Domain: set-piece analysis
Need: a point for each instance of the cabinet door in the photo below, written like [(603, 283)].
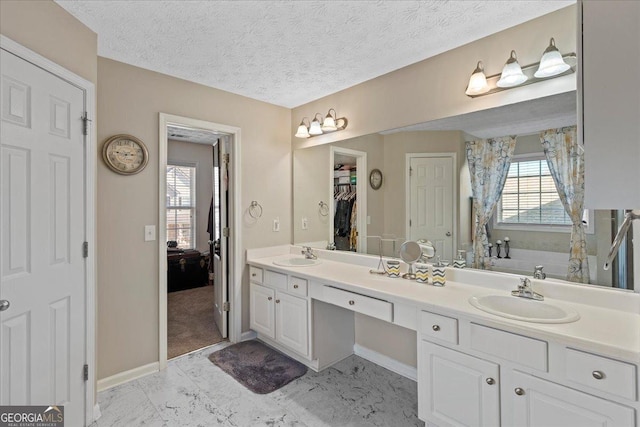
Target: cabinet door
[(455, 389), (261, 310), (539, 403), (611, 104), (292, 322)]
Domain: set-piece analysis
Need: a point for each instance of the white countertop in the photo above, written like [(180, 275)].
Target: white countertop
[(609, 321)]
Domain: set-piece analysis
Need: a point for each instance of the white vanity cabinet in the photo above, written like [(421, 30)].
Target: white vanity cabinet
[(279, 309), (470, 374), (610, 102)]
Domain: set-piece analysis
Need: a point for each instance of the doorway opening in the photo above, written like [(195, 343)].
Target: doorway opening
[(348, 199), (199, 302)]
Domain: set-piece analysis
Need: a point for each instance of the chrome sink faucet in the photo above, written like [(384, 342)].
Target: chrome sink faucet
[(538, 274), (308, 253), (526, 291)]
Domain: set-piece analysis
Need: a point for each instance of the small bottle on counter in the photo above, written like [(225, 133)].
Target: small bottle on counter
[(393, 268), (461, 261), (439, 278)]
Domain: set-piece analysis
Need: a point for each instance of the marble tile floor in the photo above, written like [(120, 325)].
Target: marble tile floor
[(192, 391)]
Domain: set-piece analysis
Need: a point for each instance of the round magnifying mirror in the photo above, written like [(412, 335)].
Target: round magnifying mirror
[(410, 252)]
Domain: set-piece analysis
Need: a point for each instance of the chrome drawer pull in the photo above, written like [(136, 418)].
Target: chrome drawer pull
[(269, 298), (277, 301), (599, 375), (351, 302), (435, 328), (490, 381), (519, 391), (295, 286)]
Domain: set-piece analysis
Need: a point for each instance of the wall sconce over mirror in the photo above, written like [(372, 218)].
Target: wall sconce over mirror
[(552, 64), (320, 126)]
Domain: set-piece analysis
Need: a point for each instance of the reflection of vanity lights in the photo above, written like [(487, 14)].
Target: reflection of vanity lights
[(552, 64), (331, 123)]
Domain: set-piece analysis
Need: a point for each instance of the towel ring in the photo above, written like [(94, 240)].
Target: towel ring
[(255, 210), (324, 208)]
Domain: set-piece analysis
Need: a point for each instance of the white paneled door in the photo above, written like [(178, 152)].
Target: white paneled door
[(431, 202), (42, 223)]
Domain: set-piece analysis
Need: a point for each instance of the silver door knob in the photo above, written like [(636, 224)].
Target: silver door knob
[(490, 381), (448, 234), (519, 391), (4, 305)]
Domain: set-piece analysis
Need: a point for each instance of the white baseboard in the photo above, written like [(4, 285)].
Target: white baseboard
[(248, 335), (96, 412), (386, 362), (126, 376)]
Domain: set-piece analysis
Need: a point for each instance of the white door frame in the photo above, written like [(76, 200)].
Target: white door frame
[(91, 407), (456, 191), (361, 190), (235, 270)]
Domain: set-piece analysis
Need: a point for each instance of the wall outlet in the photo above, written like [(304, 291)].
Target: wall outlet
[(305, 223), (276, 225), (149, 233)]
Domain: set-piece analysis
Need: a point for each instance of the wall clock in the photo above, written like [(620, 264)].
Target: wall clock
[(375, 179), (125, 154)]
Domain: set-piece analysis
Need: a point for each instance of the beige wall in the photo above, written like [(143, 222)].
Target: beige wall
[(433, 89), (51, 31), (200, 155), (129, 100)]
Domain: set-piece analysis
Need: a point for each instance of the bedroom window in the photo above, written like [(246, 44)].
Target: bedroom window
[(181, 205), (530, 196)]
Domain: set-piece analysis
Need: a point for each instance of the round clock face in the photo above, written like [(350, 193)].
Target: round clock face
[(375, 179), (125, 154)]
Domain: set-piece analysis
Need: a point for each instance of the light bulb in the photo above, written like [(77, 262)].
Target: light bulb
[(512, 74), (552, 62), (478, 81)]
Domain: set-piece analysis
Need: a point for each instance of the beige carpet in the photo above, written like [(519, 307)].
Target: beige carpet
[(190, 321)]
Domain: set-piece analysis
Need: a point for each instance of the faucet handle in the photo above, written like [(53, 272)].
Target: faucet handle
[(524, 283), (538, 273)]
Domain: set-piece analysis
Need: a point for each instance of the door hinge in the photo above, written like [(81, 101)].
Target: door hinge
[(409, 223), (226, 306), (410, 171), (85, 123), (85, 249), (225, 158), (85, 372), (225, 232)]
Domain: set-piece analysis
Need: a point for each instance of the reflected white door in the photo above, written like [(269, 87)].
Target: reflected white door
[(431, 202), (220, 284), (42, 333)]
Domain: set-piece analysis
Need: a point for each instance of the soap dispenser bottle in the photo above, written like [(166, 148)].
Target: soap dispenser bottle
[(438, 275), (461, 261)]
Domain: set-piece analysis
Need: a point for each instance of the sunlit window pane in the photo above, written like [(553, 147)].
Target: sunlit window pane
[(181, 188)]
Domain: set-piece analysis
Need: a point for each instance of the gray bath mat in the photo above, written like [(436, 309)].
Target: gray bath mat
[(259, 368)]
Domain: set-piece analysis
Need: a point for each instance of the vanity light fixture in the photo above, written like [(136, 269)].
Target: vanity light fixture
[(512, 74), (303, 129), (318, 126), (552, 64), (478, 81)]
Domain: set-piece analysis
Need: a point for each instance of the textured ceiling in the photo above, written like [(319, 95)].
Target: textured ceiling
[(291, 52)]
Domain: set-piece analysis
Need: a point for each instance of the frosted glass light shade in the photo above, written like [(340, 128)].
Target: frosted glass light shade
[(303, 132), (329, 124), (512, 74), (315, 129), (477, 82), (551, 63)]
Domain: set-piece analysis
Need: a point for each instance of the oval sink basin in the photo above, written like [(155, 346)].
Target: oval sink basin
[(296, 262), (523, 309)]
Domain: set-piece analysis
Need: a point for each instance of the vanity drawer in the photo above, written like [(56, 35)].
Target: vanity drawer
[(601, 373), (255, 274), (439, 327), (524, 351), (362, 304), (298, 286), (275, 280)]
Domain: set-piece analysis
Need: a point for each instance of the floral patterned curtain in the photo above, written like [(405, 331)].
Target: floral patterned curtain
[(489, 161), (566, 164)]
